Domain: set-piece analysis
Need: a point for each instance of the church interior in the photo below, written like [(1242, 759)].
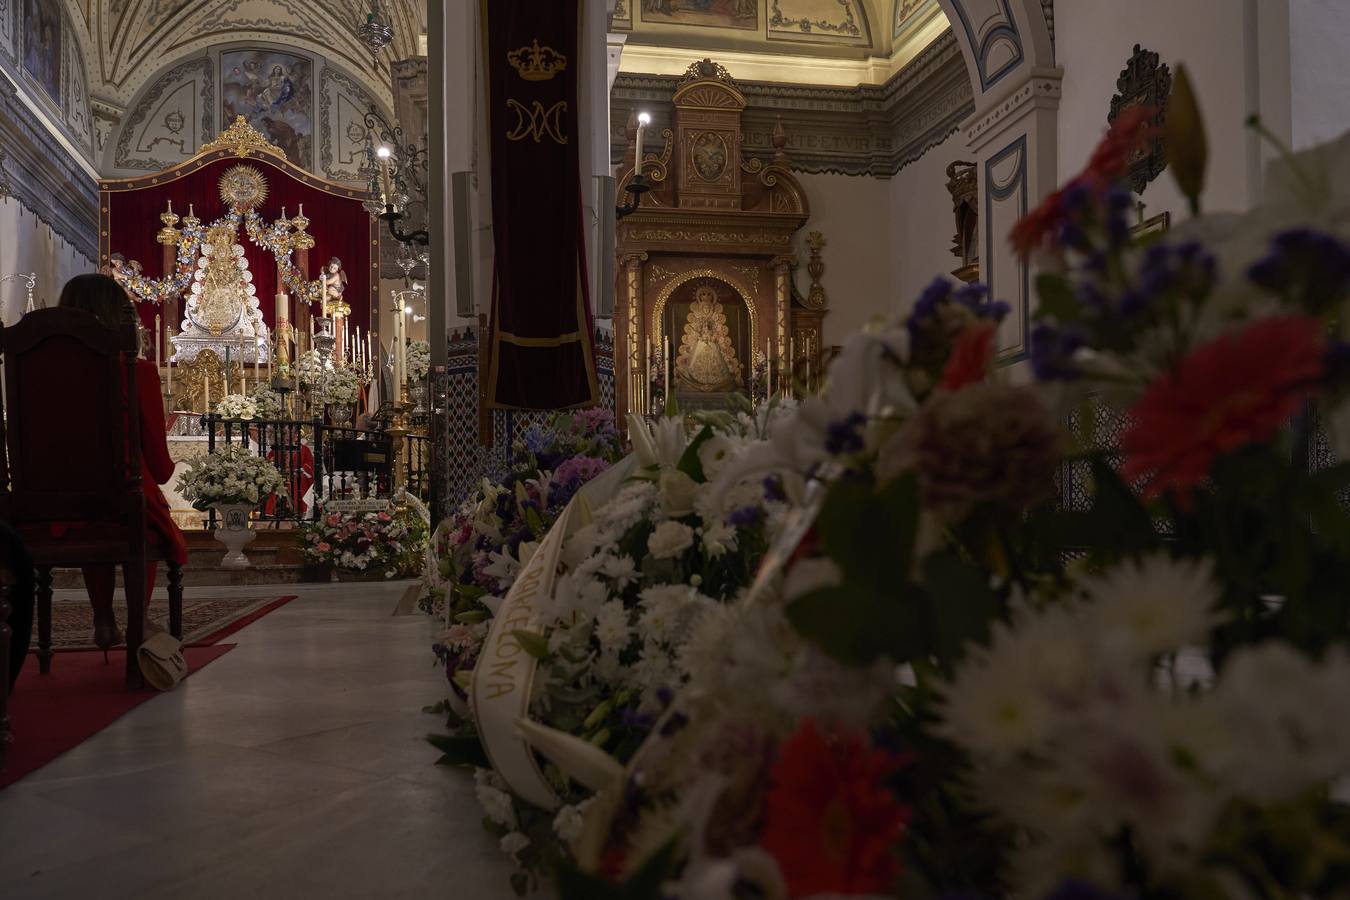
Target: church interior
[(675, 449)]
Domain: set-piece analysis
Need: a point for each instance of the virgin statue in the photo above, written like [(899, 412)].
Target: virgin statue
[(707, 360)]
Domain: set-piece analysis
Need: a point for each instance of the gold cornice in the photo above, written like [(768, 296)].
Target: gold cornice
[(242, 139)]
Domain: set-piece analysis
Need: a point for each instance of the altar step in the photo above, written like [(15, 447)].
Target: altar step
[(275, 558)]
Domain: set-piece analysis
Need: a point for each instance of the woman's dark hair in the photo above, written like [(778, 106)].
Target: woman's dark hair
[(101, 297)]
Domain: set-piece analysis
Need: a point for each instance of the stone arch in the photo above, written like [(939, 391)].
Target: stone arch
[(1003, 41)]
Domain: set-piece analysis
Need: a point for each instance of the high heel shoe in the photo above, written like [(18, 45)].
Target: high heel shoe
[(106, 633)]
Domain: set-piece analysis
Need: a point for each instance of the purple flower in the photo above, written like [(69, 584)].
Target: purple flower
[(745, 516), (1052, 350), (844, 435), (1311, 266), (773, 488)]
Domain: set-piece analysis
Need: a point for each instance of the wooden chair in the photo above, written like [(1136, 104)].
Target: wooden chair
[(74, 467), (16, 620)]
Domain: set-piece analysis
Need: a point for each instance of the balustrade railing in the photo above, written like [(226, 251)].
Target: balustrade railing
[(321, 462)]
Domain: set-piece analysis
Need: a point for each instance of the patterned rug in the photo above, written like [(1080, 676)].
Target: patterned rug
[(205, 619)]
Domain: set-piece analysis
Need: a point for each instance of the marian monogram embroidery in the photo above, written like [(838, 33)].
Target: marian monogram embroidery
[(537, 122)]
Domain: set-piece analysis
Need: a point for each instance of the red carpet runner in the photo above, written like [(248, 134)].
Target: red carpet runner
[(54, 713)]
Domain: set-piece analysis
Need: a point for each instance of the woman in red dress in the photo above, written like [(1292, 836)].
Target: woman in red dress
[(104, 298)]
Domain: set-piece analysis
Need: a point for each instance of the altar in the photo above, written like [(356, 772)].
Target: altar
[(229, 271), (245, 270)]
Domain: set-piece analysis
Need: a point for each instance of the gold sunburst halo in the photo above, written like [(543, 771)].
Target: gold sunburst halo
[(243, 187)]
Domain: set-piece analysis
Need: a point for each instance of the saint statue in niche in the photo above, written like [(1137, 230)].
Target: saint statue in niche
[(707, 360)]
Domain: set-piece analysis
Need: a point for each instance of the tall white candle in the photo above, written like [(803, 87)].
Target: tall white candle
[(158, 349), (643, 119)]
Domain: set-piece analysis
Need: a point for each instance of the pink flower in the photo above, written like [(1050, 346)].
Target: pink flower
[(324, 547), (385, 517), (335, 519)]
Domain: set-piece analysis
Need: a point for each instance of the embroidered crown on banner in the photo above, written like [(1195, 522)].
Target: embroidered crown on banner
[(535, 63)]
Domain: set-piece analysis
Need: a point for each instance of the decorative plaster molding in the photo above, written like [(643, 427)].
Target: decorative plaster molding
[(48, 181), (330, 80), (174, 78), (1042, 89), (865, 130), (798, 28)]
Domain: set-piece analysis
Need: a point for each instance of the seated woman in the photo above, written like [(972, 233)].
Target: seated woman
[(102, 297)]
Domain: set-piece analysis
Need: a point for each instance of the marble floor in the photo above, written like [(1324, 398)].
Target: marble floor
[(292, 767)]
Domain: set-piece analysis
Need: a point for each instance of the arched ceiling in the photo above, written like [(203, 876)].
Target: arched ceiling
[(836, 42), (126, 42)]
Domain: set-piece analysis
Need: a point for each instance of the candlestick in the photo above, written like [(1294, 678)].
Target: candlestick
[(242, 363), (670, 370), (168, 361), (257, 361), (158, 348)]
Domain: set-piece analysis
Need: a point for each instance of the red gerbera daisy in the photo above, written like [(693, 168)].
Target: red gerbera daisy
[(1236, 390), (829, 819), (971, 354), (1131, 128)]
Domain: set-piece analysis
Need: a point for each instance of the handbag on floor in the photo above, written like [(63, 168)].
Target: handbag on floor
[(161, 660)]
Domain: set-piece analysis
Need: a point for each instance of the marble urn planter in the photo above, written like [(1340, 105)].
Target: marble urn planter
[(235, 530)]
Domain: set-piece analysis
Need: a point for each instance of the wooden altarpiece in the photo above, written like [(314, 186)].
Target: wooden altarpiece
[(720, 224)]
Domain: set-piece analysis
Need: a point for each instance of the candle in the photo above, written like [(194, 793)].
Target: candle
[(168, 361), (242, 370), (368, 354), (206, 385), (257, 361), (158, 348), (643, 119), (670, 369)]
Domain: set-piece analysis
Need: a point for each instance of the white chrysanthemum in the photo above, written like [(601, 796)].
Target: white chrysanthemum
[(1154, 605), (670, 539), (619, 569), (611, 626), (495, 801), (514, 842), (995, 705), (567, 824)]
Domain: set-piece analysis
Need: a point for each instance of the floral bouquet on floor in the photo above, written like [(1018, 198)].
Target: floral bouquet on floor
[(230, 475), (661, 553), (953, 680), (237, 406), (474, 554), (389, 543), (419, 360)]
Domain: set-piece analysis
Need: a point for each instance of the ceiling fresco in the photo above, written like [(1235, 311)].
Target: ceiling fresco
[(800, 41)]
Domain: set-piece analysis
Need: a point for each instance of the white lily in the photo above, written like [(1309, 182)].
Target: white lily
[(583, 762), (657, 444)]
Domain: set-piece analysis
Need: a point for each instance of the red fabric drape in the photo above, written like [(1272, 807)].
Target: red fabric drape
[(340, 227)]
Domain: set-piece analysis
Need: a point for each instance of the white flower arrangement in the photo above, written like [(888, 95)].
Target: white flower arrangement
[(310, 368), (268, 401), (233, 474), (237, 406), (342, 386), (419, 360)]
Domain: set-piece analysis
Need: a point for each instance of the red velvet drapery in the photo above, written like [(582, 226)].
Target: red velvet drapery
[(340, 227)]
